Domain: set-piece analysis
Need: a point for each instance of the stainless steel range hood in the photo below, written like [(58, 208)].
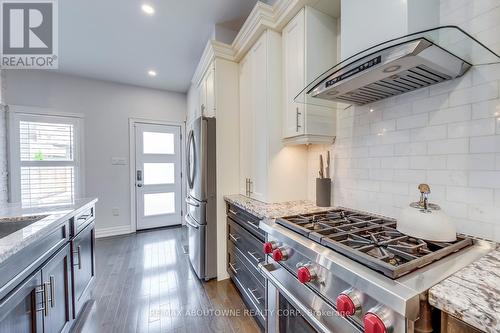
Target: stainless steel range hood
[(398, 66), (393, 71)]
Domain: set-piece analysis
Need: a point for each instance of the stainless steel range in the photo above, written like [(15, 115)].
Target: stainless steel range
[(348, 271)]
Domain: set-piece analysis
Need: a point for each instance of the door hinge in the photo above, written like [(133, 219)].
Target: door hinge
[(182, 213), (181, 174)]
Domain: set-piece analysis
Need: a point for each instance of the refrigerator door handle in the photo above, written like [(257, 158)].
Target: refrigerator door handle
[(191, 163), (190, 223), (191, 203)]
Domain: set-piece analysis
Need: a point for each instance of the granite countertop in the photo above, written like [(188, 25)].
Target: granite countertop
[(272, 210), (15, 242), (472, 294)]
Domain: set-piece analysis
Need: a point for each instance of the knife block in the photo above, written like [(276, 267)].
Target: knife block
[(323, 192)]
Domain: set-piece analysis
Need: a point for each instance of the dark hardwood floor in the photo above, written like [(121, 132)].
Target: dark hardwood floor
[(144, 283)]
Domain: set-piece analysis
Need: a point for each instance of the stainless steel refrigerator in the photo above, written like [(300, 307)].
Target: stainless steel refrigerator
[(201, 216)]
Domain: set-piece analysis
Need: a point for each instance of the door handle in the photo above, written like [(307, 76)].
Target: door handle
[(139, 185), (235, 239), (44, 307), (79, 256), (188, 221), (252, 254), (46, 299), (252, 293), (234, 269)]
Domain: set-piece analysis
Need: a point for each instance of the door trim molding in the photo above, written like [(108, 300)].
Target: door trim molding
[(131, 124)]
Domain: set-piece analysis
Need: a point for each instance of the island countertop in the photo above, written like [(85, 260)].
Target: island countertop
[(472, 294), (272, 210), (16, 241)]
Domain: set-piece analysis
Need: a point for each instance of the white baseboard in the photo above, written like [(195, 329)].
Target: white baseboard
[(112, 231)]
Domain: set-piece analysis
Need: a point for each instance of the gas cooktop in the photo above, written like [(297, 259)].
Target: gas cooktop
[(371, 240)]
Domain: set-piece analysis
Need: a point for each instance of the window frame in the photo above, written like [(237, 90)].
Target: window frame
[(15, 115)]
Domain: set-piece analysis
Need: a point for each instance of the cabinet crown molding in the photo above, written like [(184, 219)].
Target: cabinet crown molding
[(262, 17)]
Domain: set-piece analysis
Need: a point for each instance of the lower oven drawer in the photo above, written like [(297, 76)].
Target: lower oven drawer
[(252, 291), (247, 244)]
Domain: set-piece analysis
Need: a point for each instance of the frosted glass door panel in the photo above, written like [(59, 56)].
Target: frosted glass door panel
[(159, 203), (158, 143), (159, 173)]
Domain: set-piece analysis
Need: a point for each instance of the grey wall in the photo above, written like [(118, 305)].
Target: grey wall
[(107, 108)]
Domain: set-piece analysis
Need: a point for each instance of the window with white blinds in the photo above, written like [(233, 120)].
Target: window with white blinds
[(47, 158)]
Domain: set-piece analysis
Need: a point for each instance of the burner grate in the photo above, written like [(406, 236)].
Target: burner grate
[(371, 240)]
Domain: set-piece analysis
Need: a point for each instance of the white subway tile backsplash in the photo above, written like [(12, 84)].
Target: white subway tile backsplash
[(455, 210), (382, 174), (471, 162), (399, 162), (487, 213), (497, 162), (483, 74), (429, 133), (394, 188), (430, 104), (411, 176), (450, 146), (413, 148), (474, 94), (414, 121), (485, 144), (447, 177), (450, 115), (470, 195), (428, 162), (383, 126), (448, 86), (487, 179), (398, 111), (486, 109), (472, 128), (384, 150)]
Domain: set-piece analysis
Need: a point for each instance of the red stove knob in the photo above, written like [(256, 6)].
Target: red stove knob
[(345, 306), (269, 247), (304, 274), (373, 324), (279, 254)]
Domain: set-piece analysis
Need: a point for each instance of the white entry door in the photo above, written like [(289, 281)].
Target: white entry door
[(158, 175)]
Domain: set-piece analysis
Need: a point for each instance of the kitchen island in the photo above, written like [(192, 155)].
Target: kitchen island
[(47, 265)]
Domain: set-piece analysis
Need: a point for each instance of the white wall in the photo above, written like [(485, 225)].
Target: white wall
[(107, 108), (3, 144), (447, 135)]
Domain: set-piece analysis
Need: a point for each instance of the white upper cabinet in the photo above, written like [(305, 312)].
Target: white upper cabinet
[(269, 171), (207, 93), (309, 48)]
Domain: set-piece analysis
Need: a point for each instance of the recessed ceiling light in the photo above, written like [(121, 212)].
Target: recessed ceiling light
[(371, 110), (148, 9), (152, 73)]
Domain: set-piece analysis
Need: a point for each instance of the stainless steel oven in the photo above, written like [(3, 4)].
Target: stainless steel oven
[(293, 307)]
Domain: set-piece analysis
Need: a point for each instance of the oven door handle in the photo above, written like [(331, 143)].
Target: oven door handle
[(267, 269)]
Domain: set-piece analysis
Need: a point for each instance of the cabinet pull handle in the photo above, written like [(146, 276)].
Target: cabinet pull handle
[(250, 183), (45, 300), (297, 114), (52, 291), (44, 307), (252, 293), (234, 269), (252, 254), (78, 253), (253, 225), (233, 212), (235, 239)]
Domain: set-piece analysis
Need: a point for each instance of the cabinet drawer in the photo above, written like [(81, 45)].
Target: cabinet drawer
[(250, 246), (81, 220), (233, 251), (246, 220), (253, 293)]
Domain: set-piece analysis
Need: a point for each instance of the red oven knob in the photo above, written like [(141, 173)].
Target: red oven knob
[(269, 247), (373, 324), (345, 306), (305, 274), (280, 254)]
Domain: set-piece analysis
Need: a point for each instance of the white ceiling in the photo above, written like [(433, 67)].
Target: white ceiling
[(114, 40)]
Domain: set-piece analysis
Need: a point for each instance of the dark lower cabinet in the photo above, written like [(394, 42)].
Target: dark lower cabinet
[(83, 266), (42, 302), (57, 283), (22, 310)]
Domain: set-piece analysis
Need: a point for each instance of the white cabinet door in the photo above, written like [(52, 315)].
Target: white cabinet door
[(294, 72), (202, 91), (259, 162), (246, 123), (210, 93)]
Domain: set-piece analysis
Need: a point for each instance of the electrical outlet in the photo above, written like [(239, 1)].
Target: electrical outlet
[(116, 211)]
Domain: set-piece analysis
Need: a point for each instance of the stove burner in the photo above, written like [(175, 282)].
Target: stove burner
[(372, 240)]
